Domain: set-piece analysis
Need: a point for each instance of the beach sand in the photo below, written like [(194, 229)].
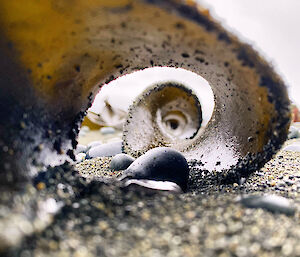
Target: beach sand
[(104, 219)]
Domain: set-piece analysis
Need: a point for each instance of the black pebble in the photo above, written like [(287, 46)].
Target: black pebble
[(160, 164)]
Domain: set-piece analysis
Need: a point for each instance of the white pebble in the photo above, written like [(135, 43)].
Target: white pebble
[(80, 149), (80, 157), (94, 143), (292, 147), (85, 129), (293, 132), (107, 130)]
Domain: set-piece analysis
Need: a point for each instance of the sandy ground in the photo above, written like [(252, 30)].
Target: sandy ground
[(100, 219), (89, 213)]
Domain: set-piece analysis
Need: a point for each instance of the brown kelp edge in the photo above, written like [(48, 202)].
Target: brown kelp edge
[(30, 132)]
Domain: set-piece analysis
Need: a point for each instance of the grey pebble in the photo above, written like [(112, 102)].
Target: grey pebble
[(160, 164), (109, 149), (80, 149), (242, 180), (271, 203), (292, 147), (293, 132), (94, 143), (107, 130), (121, 161)]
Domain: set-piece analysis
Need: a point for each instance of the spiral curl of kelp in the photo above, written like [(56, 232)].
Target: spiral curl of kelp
[(50, 71)]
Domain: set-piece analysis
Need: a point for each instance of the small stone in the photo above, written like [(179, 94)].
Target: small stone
[(22, 124), (80, 157), (160, 164), (271, 203), (121, 161), (80, 149), (107, 130), (293, 132), (292, 147), (94, 143), (152, 185), (85, 129), (109, 149), (242, 180), (40, 185)]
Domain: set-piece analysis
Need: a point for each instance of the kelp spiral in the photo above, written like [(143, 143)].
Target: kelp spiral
[(166, 114), (56, 54)]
